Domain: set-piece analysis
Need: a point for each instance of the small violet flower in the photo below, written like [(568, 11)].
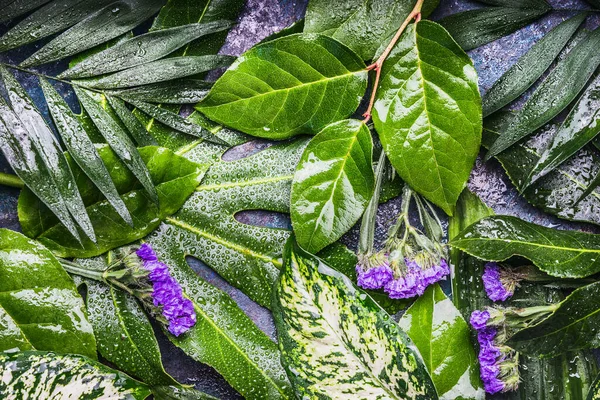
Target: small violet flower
[(373, 271), (416, 278), (499, 283)]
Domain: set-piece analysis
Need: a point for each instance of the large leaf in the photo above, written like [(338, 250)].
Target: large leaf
[(107, 23), (46, 375), (39, 304), (554, 94), (530, 67), (293, 85), (10, 9), (333, 184), (336, 342), (443, 338), (564, 254), (175, 179), (428, 113), (179, 91)]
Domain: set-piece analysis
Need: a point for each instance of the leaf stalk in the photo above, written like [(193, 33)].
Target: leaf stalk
[(11, 180)]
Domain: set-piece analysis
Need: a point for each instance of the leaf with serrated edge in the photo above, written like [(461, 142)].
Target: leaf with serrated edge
[(428, 113)]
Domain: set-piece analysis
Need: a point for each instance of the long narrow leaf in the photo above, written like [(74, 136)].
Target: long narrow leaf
[(133, 125), (82, 150), (182, 91), (10, 9), (142, 49), (118, 140)]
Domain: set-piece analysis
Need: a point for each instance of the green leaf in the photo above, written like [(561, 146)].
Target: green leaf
[(293, 85), (333, 184), (175, 179), (336, 342), (155, 45), (133, 125), (443, 338), (572, 326), (105, 24), (525, 72), (594, 393), (475, 28), (564, 254), (181, 91), (554, 94), (45, 375), (428, 113), (39, 302), (14, 8)]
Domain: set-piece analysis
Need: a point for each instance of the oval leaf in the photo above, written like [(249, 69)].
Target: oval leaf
[(333, 184), (336, 342), (428, 113), (293, 85)]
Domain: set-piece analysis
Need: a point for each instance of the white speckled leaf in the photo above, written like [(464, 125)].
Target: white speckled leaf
[(336, 342)]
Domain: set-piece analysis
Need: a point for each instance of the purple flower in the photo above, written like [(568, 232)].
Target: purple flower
[(479, 319), (493, 282), (415, 280), (373, 272), (146, 253)]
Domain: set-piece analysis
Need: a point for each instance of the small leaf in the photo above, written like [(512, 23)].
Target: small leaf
[(181, 91), (293, 85), (333, 184), (443, 338), (133, 125), (428, 113), (564, 254), (44, 375), (554, 94), (525, 72), (336, 342), (39, 302), (10, 9)]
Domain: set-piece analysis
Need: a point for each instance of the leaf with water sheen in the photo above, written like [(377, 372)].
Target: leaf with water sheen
[(297, 84), (46, 375), (443, 338), (10, 9), (39, 304), (333, 184), (428, 113), (180, 91), (141, 136), (336, 342)]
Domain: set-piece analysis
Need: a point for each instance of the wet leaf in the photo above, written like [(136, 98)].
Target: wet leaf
[(182, 91), (443, 338), (336, 342), (564, 254), (10, 9), (175, 179), (333, 184), (45, 375), (594, 393), (265, 92), (525, 72), (133, 125), (39, 304), (428, 113)]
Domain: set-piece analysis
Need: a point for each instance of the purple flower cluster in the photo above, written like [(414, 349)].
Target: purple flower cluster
[(167, 294), (497, 287), (376, 277)]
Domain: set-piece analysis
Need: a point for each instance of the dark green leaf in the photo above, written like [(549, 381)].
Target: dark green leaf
[(44, 375), (564, 254), (39, 303), (475, 28), (294, 85), (594, 393), (133, 125), (175, 178), (107, 23), (333, 184), (336, 342), (118, 140), (555, 93), (10, 9), (530, 67), (428, 113), (142, 49), (181, 91), (443, 338), (159, 71)]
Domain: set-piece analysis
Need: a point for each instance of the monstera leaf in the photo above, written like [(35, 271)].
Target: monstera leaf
[(46, 375), (336, 342), (40, 308)]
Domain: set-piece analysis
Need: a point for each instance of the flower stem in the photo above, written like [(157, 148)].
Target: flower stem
[(76, 269), (367, 226), (414, 14), (11, 180)]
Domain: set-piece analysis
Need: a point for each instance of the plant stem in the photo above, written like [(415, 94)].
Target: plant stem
[(367, 226), (11, 180), (76, 269), (414, 14)]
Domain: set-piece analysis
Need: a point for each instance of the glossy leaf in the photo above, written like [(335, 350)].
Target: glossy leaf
[(45, 375), (133, 125), (555, 93), (182, 91), (105, 24), (294, 85), (335, 340), (564, 254), (428, 113), (333, 184), (443, 338), (39, 303), (142, 49), (525, 72), (10, 9), (175, 179), (475, 28)]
